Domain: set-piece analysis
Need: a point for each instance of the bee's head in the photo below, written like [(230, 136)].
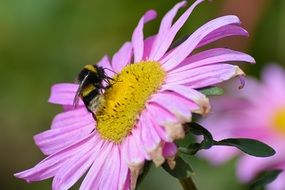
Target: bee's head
[(100, 72), (91, 73), (82, 75)]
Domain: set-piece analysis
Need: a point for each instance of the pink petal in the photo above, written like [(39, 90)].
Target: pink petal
[(127, 185), (175, 104), (53, 163), (166, 36), (67, 118), (236, 96), (63, 94), (148, 43), (182, 51), (205, 76), (138, 38), (226, 120), (190, 94), (132, 151), (169, 150), (248, 167), (105, 63), (172, 122), (124, 173), (160, 115), (218, 155), (122, 57), (159, 129), (212, 56), (274, 78), (225, 31), (149, 136), (137, 133), (73, 170), (165, 25), (53, 140), (166, 22), (70, 107), (94, 175), (111, 175)]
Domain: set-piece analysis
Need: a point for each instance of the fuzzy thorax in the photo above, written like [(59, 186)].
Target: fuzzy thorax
[(126, 98)]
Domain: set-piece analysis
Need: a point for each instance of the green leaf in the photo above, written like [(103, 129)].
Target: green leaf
[(196, 117), (266, 178), (192, 149), (181, 170), (249, 146), (211, 91), (146, 168), (197, 129)]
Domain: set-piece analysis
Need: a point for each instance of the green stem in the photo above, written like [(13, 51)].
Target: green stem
[(188, 184)]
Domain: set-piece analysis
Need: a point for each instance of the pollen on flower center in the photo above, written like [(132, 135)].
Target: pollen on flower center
[(279, 120), (126, 98)]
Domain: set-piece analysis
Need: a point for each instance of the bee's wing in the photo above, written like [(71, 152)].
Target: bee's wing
[(78, 92), (76, 98)]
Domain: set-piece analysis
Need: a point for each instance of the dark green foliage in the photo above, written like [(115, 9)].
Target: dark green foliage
[(181, 170), (266, 178), (249, 146)]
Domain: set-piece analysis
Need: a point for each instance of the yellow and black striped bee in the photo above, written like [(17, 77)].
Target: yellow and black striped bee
[(91, 86)]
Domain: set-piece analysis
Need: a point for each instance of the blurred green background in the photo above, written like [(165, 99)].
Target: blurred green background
[(43, 42)]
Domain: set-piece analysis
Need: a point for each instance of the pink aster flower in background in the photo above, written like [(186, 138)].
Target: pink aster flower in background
[(153, 93), (258, 112)]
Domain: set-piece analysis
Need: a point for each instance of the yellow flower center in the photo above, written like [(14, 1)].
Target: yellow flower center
[(126, 98), (279, 121)]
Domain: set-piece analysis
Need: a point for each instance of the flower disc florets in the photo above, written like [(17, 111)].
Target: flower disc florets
[(126, 98)]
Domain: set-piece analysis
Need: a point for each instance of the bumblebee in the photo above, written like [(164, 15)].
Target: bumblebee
[(91, 86)]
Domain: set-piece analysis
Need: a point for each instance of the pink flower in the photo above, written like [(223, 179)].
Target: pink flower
[(152, 95), (258, 112)]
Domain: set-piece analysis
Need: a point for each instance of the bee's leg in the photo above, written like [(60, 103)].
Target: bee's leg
[(101, 90), (107, 81), (109, 78), (110, 70), (92, 130), (94, 117), (108, 84)]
